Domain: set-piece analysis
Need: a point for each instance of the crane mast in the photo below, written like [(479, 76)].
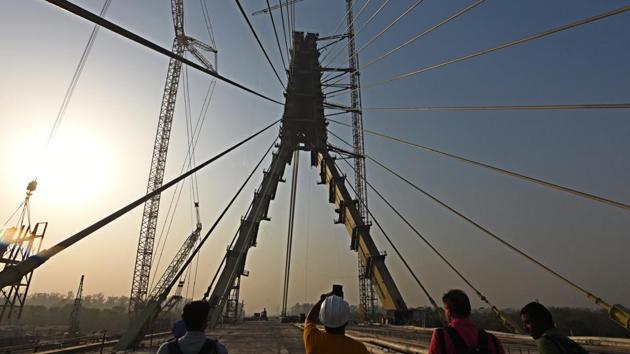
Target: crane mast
[(367, 300), (144, 254)]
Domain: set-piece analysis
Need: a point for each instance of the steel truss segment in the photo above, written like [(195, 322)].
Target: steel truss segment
[(248, 233), (18, 244), (304, 128), (369, 254)]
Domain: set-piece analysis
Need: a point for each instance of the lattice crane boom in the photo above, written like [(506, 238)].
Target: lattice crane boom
[(144, 253), (76, 310), (366, 288)]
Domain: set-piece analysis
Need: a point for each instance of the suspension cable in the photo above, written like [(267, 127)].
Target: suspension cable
[(173, 205), (356, 16), (194, 187), (378, 35), (485, 230), (287, 260), (423, 33), (616, 312), (504, 45), (75, 78), (79, 11), (505, 320), (408, 42), (206, 18), (13, 274), (437, 308), (293, 16), (284, 30), (356, 33), (335, 32), (262, 47), (166, 230), (275, 32), (249, 177), (502, 107), (352, 20), (216, 273), (343, 18), (12, 215), (205, 238), (500, 170)]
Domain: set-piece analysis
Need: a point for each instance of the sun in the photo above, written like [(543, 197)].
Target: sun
[(76, 167)]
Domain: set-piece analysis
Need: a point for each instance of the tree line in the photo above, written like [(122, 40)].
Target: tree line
[(100, 312)]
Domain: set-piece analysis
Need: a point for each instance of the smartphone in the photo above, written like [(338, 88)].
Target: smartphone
[(337, 290)]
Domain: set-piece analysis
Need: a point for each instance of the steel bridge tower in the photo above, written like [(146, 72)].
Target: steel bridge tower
[(144, 254), (304, 128)]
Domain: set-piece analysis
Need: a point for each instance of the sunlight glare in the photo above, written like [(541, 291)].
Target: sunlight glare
[(76, 167)]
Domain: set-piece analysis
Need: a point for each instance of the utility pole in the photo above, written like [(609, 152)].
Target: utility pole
[(76, 310), (144, 254), (366, 289)]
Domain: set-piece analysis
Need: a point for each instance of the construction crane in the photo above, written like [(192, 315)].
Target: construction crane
[(74, 329), (174, 299), (157, 300), (144, 255), (286, 3), (17, 244)]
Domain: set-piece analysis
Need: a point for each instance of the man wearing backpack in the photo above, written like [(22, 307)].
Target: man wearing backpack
[(195, 317), (538, 322), (461, 336)]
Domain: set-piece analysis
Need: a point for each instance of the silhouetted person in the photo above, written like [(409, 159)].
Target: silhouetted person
[(179, 329), (461, 336), (538, 322), (333, 312), (195, 317)]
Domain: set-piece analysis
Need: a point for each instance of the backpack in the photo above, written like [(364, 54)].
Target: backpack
[(460, 345), (565, 345), (209, 347)]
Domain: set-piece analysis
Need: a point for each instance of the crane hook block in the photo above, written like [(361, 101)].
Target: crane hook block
[(32, 185)]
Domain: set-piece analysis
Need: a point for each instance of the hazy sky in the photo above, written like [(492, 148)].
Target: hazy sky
[(100, 158)]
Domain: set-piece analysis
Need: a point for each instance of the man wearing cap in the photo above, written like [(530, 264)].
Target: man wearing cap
[(194, 341), (333, 312)]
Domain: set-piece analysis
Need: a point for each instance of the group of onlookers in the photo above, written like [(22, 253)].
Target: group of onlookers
[(459, 336)]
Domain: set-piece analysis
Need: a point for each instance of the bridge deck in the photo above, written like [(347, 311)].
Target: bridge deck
[(268, 337), (260, 337)]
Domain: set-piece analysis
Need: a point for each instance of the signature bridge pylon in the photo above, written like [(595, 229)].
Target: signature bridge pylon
[(304, 128)]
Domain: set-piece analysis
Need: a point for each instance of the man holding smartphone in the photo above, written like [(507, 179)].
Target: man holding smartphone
[(333, 312)]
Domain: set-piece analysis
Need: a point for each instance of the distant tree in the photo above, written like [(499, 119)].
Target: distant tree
[(299, 308)]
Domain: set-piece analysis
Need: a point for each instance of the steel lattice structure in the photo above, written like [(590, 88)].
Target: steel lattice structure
[(148, 226), (367, 300), (16, 245), (304, 128)]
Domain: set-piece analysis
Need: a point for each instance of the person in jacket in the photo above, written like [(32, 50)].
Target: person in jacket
[(461, 335), (538, 322)]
